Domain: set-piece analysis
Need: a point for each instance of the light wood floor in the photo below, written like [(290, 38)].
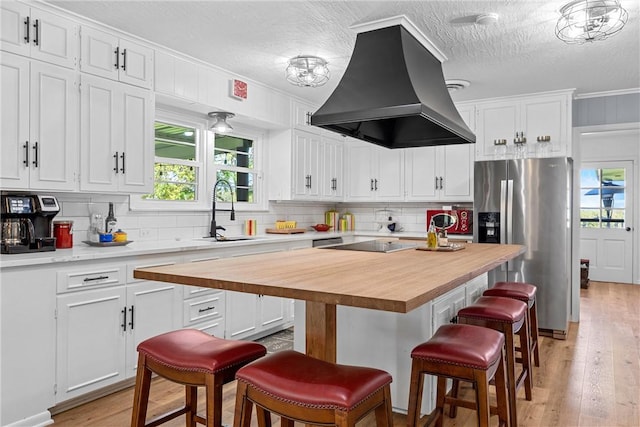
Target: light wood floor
[(590, 379)]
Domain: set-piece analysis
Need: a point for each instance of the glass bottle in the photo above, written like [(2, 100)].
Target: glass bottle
[(110, 222), (432, 236)]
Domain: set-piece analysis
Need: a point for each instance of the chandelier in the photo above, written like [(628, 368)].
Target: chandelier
[(307, 71), (590, 20), (221, 125)]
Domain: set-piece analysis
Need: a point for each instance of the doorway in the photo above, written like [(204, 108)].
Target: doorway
[(606, 219)]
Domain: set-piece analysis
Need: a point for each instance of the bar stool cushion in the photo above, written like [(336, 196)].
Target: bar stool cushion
[(303, 380), (525, 292), (496, 309), (197, 351), (462, 345)]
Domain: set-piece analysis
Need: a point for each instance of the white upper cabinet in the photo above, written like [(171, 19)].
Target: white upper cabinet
[(176, 76), (117, 137), (38, 125), (332, 186), (109, 56), (442, 173), (306, 166), (301, 116), (374, 173), (38, 34), (542, 116)]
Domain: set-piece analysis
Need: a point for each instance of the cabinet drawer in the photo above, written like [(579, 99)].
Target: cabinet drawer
[(204, 308), (148, 263), (197, 291), (89, 278), (214, 328)]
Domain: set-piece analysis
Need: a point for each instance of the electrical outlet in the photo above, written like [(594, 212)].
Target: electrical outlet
[(145, 232)]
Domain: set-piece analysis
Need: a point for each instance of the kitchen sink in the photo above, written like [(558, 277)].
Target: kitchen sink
[(225, 239)]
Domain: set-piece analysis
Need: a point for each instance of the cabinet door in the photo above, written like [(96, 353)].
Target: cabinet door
[(301, 113), (546, 116), (332, 179), (359, 171), (153, 308), (272, 311), (15, 33), (389, 180), (28, 336), (99, 53), (53, 127), (499, 120), (420, 173), (136, 152), (136, 65), (91, 341), (55, 40), (241, 314), (457, 172), (14, 120), (307, 157), (101, 134)]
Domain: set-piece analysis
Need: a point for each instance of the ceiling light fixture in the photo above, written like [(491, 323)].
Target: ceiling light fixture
[(307, 71), (590, 20), (487, 18), (221, 125), (454, 85)]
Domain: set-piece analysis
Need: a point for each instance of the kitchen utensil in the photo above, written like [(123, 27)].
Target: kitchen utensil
[(321, 227), (17, 231)]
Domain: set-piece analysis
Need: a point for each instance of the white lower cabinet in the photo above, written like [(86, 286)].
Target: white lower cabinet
[(28, 339), (100, 328)]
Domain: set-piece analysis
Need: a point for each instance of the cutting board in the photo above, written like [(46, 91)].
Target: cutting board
[(284, 230), (451, 248)]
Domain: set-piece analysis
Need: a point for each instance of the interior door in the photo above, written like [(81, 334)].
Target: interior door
[(606, 220)]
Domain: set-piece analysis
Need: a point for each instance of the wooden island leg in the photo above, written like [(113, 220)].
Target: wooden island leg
[(320, 321)]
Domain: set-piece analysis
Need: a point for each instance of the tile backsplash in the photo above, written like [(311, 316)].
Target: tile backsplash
[(167, 225)]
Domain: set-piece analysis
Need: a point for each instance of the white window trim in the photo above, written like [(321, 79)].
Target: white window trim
[(137, 203), (207, 173)]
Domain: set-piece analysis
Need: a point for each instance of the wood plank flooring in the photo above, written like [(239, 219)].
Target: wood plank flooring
[(590, 379)]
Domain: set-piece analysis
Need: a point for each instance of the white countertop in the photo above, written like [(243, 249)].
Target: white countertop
[(84, 252)]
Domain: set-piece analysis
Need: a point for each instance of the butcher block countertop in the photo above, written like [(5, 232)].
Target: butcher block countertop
[(397, 281)]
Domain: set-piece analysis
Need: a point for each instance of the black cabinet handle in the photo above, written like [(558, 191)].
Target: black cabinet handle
[(436, 184), (202, 310), (131, 322), (26, 153), (115, 156), (376, 184), (124, 319), (36, 38), (308, 121), (35, 154), (27, 33), (117, 52), (91, 279), (122, 158), (124, 59), (371, 188), (441, 183)]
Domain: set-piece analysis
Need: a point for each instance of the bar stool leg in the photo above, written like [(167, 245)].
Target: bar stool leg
[(415, 394), (525, 352), (191, 405), (440, 398), (242, 415), (501, 390), (482, 398), (141, 393), (534, 334)]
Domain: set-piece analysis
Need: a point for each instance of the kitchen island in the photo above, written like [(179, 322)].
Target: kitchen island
[(396, 282)]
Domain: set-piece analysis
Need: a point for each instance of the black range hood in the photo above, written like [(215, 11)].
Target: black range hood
[(393, 94)]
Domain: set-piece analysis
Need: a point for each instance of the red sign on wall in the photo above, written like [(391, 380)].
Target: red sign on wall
[(239, 89)]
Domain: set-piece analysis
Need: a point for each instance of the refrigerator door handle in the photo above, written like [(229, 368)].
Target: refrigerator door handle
[(510, 211), (503, 211)]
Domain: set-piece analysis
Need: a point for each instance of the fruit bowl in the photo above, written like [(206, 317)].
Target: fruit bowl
[(321, 227)]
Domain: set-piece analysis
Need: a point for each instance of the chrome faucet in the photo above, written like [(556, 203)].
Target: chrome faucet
[(213, 232)]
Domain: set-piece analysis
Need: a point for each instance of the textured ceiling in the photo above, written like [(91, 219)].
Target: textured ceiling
[(519, 54)]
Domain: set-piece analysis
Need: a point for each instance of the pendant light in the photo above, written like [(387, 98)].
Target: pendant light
[(590, 20), (221, 125)]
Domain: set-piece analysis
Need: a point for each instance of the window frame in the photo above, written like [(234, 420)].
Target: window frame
[(207, 169)]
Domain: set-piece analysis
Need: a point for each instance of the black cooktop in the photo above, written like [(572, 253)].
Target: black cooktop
[(373, 246)]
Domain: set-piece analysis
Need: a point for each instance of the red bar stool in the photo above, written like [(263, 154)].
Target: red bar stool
[(311, 391), (525, 292), (192, 358), (463, 352), (508, 316)]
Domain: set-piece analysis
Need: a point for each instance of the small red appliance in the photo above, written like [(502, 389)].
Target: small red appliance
[(455, 221)]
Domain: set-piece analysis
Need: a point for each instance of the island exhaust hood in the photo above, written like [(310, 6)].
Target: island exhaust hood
[(393, 91)]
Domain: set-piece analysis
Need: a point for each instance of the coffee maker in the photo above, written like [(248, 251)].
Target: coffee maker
[(27, 223)]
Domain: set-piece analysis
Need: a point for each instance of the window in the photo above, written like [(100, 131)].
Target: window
[(602, 197), (189, 159)]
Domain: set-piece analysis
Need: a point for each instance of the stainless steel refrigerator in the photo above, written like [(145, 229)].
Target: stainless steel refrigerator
[(528, 202)]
